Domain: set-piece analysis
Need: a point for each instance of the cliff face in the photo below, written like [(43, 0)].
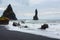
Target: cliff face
[(9, 13), (35, 17)]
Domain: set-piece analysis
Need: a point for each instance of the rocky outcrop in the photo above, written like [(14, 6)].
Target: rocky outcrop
[(4, 21), (25, 26), (44, 26), (35, 17), (9, 13), (16, 24)]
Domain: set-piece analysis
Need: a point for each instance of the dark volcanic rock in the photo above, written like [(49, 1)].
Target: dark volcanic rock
[(9, 13), (25, 26), (44, 26), (35, 17), (16, 24)]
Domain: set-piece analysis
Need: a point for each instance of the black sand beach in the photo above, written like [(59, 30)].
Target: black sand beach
[(15, 35)]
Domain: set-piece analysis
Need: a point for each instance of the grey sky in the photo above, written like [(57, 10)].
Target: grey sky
[(47, 9)]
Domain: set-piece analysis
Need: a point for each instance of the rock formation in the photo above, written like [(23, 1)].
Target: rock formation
[(4, 21), (25, 26), (35, 17), (16, 24), (44, 26), (9, 13)]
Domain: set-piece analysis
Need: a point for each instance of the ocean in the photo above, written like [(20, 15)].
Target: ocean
[(53, 31)]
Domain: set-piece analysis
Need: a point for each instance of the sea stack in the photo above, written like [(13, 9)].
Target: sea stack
[(9, 13), (35, 17)]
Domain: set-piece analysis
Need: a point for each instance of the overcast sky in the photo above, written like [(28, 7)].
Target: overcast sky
[(24, 9)]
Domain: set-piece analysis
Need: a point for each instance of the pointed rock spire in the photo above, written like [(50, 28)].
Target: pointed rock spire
[(35, 17), (9, 8), (9, 13)]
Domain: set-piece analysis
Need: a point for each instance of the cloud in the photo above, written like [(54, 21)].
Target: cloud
[(35, 2), (49, 11), (23, 8), (25, 15), (2, 8), (0, 1)]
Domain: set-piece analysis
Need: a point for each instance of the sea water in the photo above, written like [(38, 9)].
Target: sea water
[(52, 31)]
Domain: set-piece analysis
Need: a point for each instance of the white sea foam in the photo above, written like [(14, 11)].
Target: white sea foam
[(53, 31)]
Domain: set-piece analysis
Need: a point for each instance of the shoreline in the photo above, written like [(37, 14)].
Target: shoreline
[(15, 35)]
